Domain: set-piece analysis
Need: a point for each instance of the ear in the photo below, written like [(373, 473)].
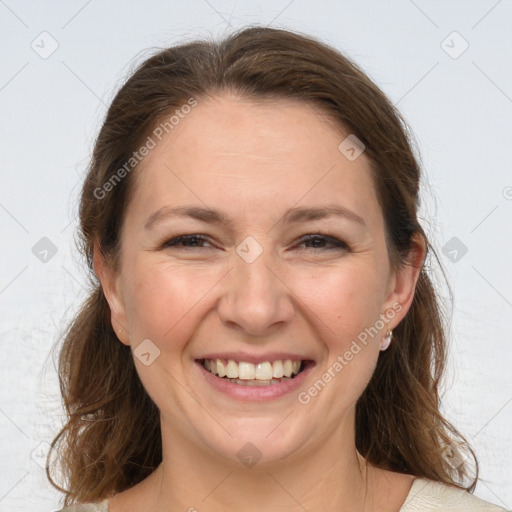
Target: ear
[(403, 281), (110, 285)]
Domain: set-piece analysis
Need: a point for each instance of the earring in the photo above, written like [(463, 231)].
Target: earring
[(386, 340)]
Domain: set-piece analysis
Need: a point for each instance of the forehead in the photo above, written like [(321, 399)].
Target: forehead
[(239, 153), (257, 129)]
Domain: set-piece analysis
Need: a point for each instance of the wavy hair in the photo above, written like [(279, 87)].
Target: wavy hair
[(112, 439)]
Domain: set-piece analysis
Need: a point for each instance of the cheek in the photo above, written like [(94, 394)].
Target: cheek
[(346, 303), (161, 299), (345, 300)]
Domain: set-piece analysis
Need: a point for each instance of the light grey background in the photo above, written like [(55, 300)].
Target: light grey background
[(458, 104)]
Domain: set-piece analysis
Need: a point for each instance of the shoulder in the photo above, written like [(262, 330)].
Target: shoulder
[(428, 496), (90, 507)]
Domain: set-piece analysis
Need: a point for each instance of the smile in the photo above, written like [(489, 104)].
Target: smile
[(265, 373)]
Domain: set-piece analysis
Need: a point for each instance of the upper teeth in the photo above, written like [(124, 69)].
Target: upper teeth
[(249, 371)]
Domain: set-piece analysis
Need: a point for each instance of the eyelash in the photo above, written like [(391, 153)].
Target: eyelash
[(337, 244)]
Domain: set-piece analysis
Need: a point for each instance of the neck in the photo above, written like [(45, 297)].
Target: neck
[(330, 476)]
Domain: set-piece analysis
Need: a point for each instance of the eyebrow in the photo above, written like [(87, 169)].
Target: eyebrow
[(294, 215)]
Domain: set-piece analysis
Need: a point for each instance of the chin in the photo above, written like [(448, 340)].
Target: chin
[(255, 440)]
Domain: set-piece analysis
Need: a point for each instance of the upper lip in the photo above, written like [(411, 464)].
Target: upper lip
[(255, 358)]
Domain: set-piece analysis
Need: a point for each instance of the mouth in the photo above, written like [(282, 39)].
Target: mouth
[(264, 373)]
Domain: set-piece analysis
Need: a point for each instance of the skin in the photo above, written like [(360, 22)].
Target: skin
[(255, 161)]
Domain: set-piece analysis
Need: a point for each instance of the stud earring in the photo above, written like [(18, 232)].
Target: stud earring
[(386, 341)]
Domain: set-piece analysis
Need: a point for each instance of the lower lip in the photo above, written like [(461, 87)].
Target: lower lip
[(255, 393)]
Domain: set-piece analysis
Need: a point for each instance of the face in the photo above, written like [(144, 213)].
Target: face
[(254, 249)]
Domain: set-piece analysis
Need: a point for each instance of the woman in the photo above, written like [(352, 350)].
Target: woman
[(263, 332)]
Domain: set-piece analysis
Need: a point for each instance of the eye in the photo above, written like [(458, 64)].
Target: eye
[(314, 241), (323, 242), (186, 241)]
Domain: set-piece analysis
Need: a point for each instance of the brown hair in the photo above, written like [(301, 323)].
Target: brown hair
[(112, 438)]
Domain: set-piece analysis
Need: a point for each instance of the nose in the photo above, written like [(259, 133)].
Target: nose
[(256, 298)]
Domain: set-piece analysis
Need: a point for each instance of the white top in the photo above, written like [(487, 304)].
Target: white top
[(428, 496), (424, 496)]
